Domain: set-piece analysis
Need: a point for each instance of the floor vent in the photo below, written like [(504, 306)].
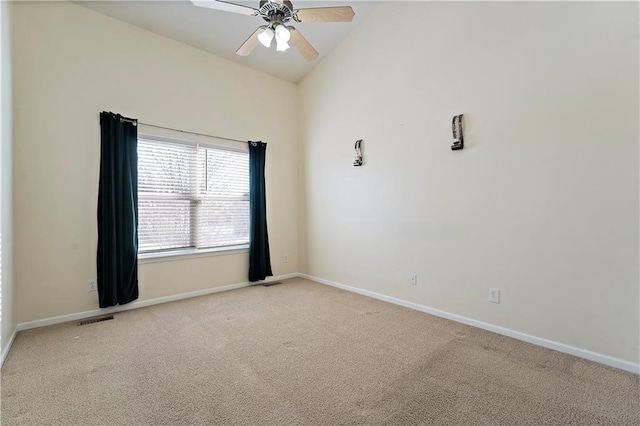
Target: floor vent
[(270, 284), (94, 320)]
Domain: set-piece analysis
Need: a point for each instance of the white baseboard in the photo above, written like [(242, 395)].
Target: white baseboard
[(5, 350), (560, 347), (143, 303)]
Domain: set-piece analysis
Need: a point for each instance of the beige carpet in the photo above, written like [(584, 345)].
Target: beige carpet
[(295, 354)]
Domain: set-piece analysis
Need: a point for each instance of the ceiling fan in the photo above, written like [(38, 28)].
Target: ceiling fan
[(278, 14)]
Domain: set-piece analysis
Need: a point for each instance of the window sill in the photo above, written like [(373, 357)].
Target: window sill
[(174, 255)]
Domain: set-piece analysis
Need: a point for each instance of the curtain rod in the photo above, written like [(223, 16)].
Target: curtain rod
[(182, 131)]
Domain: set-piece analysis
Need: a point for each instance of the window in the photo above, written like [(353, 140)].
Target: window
[(191, 196)]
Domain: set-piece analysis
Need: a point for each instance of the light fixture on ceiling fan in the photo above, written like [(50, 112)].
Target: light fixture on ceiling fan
[(281, 34), (278, 13)]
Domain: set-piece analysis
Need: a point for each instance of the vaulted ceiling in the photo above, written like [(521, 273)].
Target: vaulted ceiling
[(221, 33)]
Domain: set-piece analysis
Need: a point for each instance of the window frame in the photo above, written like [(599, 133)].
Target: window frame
[(190, 252)]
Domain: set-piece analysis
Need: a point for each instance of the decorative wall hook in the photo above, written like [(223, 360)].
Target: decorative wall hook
[(458, 138), (358, 148)]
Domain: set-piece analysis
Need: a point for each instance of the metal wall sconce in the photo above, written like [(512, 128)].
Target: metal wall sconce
[(458, 138), (358, 148)]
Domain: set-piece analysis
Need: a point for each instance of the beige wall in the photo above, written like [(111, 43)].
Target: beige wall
[(69, 64), (6, 222), (543, 201)]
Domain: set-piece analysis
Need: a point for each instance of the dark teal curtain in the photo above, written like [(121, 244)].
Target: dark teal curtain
[(259, 257), (117, 260)]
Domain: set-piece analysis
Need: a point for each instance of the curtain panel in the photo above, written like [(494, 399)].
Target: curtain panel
[(259, 256), (117, 257)]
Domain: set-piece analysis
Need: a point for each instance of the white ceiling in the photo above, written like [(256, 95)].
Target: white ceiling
[(221, 33)]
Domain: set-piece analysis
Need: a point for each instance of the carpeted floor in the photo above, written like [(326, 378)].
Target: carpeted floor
[(299, 353)]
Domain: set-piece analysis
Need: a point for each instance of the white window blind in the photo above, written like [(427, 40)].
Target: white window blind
[(191, 196)]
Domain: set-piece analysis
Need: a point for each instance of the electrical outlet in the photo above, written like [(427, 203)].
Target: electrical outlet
[(285, 258), (413, 279), (494, 295), (92, 285)]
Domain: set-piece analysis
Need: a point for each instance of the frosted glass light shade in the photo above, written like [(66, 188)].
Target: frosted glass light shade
[(281, 46), (282, 34), (282, 38), (266, 36)]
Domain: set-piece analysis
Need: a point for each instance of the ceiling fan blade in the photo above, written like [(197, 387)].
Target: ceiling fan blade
[(325, 14), (302, 45), (227, 7), (250, 44)]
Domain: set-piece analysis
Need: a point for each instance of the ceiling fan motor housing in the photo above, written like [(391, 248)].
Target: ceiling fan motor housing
[(276, 12)]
